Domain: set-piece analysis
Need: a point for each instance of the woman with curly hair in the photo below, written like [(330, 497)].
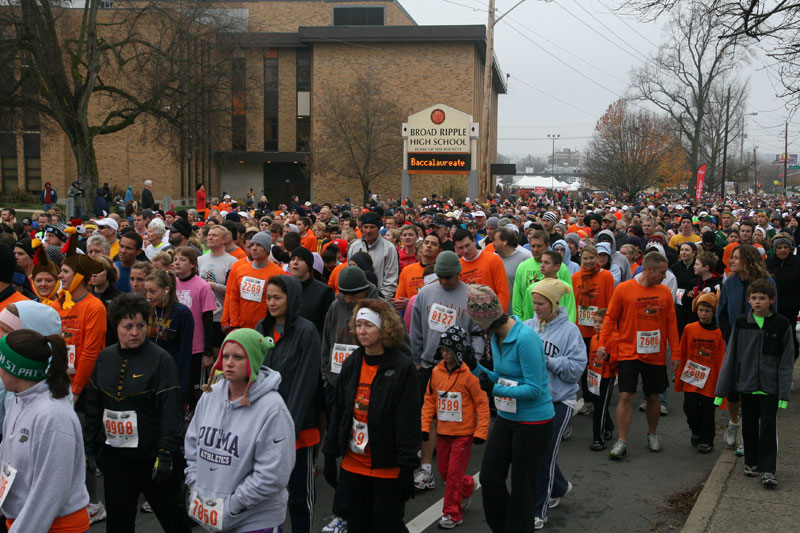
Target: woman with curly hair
[(375, 424)]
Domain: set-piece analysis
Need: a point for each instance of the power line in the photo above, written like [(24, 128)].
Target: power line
[(621, 19), (541, 138), (523, 82), (466, 6), (612, 32)]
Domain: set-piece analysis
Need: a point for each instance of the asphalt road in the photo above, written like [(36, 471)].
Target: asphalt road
[(629, 495)]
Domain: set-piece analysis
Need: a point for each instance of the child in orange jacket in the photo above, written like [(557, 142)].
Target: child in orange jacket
[(600, 376), (702, 352), (455, 397)]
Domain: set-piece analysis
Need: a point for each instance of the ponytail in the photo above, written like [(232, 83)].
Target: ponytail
[(57, 376)]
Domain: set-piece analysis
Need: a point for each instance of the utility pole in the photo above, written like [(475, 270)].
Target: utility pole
[(485, 131), (553, 136), (755, 170), (725, 145), (785, 155)]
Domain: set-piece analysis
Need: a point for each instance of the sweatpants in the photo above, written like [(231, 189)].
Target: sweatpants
[(125, 479), (550, 481), (601, 418), (760, 431), (699, 411), (374, 504), (519, 447), (452, 461), (339, 505), (301, 491)]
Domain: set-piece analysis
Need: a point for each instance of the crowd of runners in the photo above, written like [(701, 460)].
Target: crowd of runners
[(215, 360)]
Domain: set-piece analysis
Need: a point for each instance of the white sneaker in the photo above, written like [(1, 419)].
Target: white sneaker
[(654, 442), (730, 435), (664, 410), (446, 522), (145, 507), (424, 480), (553, 503), (538, 523), (740, 449), (643, 406), (97, 512), (336, 525), (465, 503)]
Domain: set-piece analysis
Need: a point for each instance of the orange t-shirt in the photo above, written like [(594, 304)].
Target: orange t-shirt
[(487, 269), (77, 522), (246, 294), (237, 252), (84, 330), (333, 279), (14, 298), (362, 463), (591, 291), (411, 280), (705, 348), (309, 242), (644, 319)]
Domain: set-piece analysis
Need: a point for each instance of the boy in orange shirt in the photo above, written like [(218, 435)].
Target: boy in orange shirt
[(600, 376), (455, 397), (702, 352)]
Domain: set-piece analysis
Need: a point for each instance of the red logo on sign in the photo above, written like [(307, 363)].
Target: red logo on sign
[(437, 116)]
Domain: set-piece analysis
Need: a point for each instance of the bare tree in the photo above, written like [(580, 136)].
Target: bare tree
[(679, 79), (97, 71), (630, 151), (359, 138)]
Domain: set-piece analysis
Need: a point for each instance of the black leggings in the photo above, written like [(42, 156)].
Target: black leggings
[(374, 504), (699, 411), (521, 447)]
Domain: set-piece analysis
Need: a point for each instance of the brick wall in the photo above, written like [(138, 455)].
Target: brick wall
[(288, 16)]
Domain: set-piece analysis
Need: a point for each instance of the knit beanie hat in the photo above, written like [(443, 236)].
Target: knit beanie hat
[(305, 255), (25, 245), (454, 338), (709, 298), (552, 289), (7, 263), (83, 266), (447, 264), (551, 217), (782, 238), (352, 280), (255, 346), (709, 237), (263, 239), (483, 306)]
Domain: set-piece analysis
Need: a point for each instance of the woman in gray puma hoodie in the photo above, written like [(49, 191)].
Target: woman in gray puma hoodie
[(240, 451)]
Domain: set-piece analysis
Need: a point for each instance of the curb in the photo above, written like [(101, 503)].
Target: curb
[(709, 497)]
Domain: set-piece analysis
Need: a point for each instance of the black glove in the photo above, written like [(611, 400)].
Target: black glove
[(162, 468), (405, 482), (469, 358), (425, 436), (478, 440), (329, 470), (486, 383)]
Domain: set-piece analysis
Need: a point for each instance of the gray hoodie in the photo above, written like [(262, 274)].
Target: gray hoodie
[(42, 440), (243, 454), (424, 338), (617, 258)]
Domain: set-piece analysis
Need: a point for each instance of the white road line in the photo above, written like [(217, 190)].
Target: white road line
[(433, 513)]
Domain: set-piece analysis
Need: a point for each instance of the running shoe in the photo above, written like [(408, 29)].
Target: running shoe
[(768, 479), (97, 512), (704, 447), (465, 503), (553, 503), (731, 434), (751, 471), (424, 480), (597, 446), (586, 410), (654, 442), (446, 522), (145, 507), (740, 449), (336, 525), (538, 523), (643, 407), (619, 450), (664, 410), (695, 440), (607, 434), (567, 433)]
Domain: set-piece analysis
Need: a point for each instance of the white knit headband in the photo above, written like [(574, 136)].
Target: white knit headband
[(368, 314)]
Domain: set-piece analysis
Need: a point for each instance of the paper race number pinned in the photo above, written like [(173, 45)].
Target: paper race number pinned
[(648, 341), (71, 354), (7, 475), (586, 315), (207, 512), (507, 405), (251, 288), (339, 353), (359, 437), (122, 429), (593, 381), (449, 406), (695, 374), (440, 318)]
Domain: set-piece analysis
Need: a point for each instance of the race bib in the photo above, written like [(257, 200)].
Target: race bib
[(440, 318), (359, 437), (593, 381), (251, 288), (122, 430), (695, 374), (679, 296), (648, 341), (71, 356), (449, 408), (207, 511), (507, 405), (430, 278), (586, 315), (7, 475), (339, 353)]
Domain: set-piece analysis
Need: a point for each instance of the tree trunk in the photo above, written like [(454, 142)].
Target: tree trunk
[(86, 161)]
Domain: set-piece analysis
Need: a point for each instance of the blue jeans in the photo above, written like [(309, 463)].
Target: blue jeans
[(47, 207)]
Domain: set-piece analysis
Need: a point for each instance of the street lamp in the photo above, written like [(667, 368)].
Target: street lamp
[(553, 136)]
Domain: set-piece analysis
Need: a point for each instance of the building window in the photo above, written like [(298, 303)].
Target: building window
[(303, 69), (238, 105), (303, 134), (358, 16), (33, 162), (271, 100)]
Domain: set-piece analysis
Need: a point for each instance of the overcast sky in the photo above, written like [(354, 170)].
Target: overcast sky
[(564, 74)]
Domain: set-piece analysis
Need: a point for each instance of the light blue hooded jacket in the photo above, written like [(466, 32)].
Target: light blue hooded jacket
[(572, 266), (566, 354)]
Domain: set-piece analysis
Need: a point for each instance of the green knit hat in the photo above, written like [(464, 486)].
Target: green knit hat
[(255, 346)]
